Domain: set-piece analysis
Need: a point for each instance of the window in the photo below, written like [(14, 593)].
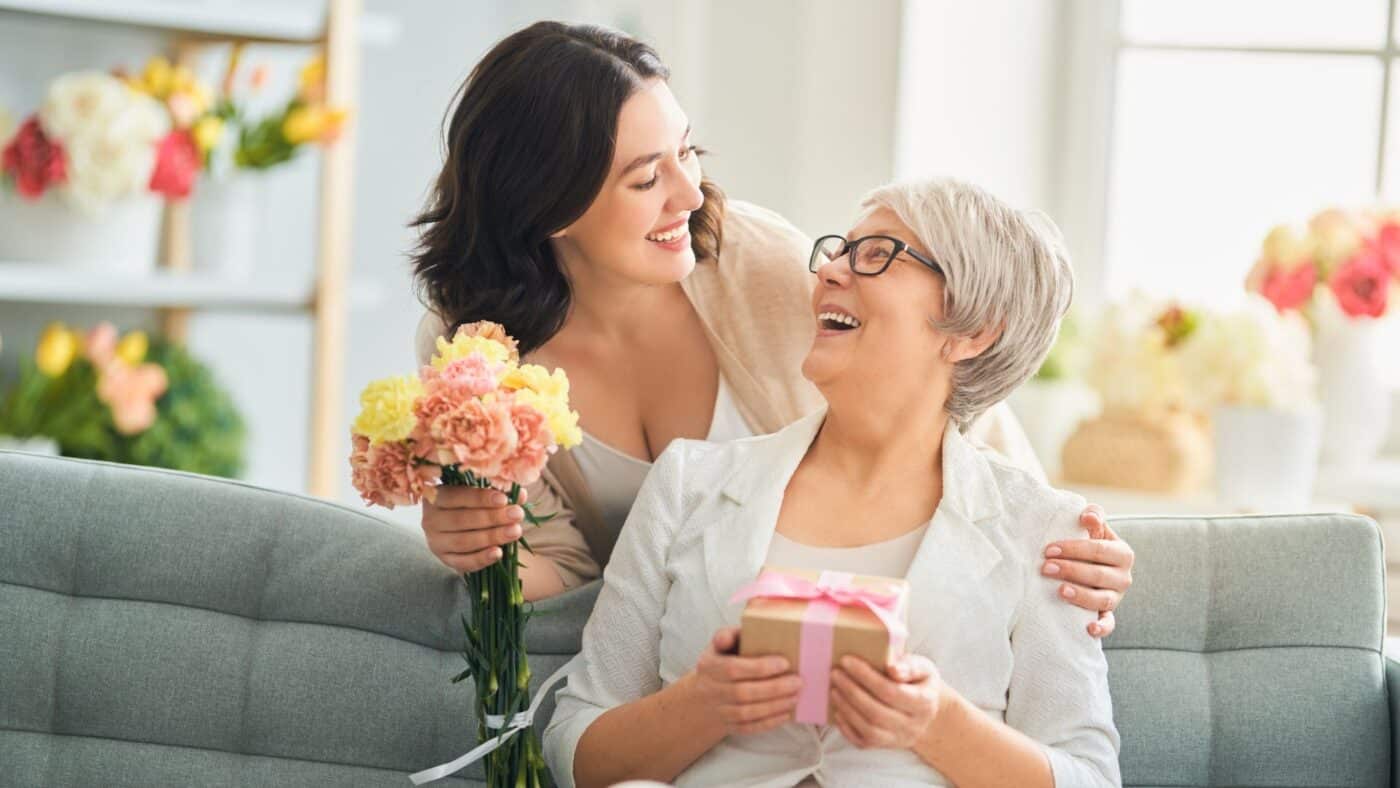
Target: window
[(1228, 118)]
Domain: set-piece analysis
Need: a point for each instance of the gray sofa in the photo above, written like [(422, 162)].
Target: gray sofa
[(159, 628)]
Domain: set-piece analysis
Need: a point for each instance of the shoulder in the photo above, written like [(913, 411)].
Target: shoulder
[(430, 327), (1033, 512), (758, 241)]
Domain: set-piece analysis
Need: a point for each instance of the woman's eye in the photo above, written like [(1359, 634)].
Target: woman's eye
[(686, 151), (641, 187)]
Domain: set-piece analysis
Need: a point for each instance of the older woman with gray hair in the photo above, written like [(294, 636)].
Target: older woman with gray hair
[(937, 304)]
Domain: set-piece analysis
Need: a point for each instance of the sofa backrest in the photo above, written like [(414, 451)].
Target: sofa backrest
[(1249, 652), (160, 628)]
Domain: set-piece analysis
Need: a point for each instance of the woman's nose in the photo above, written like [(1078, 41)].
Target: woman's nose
[(687, 195), (835, 272)]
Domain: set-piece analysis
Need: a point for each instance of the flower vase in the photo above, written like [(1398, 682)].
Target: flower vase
[(224, 221), (1266, 459), (123, 238), (1355, 395)]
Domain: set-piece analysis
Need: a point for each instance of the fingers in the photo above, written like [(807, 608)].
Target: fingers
[(471, 562), (853, 725), (1088, 575), (1093, 519), (1104, 626), (1090, 598), (776, 720), (725, 668), (1106, 552), (458, 497), (912, 669), (726, 640), (472, 541), (888, 694), (437, 520)]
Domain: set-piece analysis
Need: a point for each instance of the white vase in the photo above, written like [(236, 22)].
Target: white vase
[(1355, 394), (224, 222), (1049, 411), (124, 238), (1266, 460), (45, 446)]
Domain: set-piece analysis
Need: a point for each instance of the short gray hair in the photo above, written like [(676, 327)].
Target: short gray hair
[(1003, 267)]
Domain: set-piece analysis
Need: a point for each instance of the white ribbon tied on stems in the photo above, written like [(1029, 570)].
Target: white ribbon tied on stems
[(516, 724)]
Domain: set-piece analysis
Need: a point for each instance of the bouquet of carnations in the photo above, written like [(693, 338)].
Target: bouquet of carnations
[(476, 417), (1352, 255)]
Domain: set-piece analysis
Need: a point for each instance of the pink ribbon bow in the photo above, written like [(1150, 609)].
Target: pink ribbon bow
[(831, 592)]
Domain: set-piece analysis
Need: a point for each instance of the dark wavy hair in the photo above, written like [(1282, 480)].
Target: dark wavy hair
[(529, 146)]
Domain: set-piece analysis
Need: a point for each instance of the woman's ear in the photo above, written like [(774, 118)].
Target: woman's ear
[(957, 349)]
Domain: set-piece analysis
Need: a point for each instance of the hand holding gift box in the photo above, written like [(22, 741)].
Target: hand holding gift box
[(814, 618)]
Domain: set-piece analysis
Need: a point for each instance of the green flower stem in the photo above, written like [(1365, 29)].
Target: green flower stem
[(495, 654)]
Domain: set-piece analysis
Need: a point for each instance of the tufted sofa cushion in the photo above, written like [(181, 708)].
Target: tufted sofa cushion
[(159, 628), (1249, 653)]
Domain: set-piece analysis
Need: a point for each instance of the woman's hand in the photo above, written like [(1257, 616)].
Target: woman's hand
[(743, 694), (1096, 571), (467, 525), (891, 711)]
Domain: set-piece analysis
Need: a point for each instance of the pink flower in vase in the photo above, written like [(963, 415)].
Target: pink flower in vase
[(1388, 244), (34, 161), (1362, 284), (177, 164), (1289, 288), (131, 393), (100, 346)]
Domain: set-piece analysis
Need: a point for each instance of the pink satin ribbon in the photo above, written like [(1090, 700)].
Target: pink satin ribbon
[(826, 597)]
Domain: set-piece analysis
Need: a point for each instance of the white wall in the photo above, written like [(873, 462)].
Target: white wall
[(979, 95)]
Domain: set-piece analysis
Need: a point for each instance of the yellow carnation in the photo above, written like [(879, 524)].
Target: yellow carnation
[(539, 380), (386, 409), (57, 348), (133, 348), (463, 345), (563, 423)]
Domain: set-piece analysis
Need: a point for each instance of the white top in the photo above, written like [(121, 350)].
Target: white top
[(980, 610), (890, 558), (614, 477)]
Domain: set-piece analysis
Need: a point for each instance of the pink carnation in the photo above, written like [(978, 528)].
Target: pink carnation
[(1289, 289), (534, 445), (177, 165), (1388, 243), (1362, 284), (472, 375), (473, 435), (389, 475)]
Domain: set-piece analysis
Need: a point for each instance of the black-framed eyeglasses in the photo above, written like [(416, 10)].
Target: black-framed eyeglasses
[(868, 256)]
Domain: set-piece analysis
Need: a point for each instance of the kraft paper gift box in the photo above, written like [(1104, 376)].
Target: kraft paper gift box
[(814, 618)]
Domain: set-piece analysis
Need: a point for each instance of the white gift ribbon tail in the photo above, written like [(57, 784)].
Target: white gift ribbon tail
[(497, 722)]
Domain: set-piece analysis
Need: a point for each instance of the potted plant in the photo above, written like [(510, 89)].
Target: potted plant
[(130, 399), (1339, 275), (225, 213), (1249, 368), (87, 172)]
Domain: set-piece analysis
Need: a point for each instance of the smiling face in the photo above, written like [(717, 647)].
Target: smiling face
[(637, 228), (876, 328)]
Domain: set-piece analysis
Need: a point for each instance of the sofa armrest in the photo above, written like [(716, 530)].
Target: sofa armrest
[(1392, 688)]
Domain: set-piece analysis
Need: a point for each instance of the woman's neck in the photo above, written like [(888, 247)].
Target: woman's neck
[(614, 309), (873, 446)]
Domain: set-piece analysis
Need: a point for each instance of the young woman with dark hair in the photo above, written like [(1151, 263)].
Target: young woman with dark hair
[(571, 208)]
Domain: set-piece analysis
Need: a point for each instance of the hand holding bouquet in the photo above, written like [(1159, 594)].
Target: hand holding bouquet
[(474, 417)]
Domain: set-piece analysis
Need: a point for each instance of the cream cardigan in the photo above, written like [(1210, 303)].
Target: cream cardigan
[(755, 302)]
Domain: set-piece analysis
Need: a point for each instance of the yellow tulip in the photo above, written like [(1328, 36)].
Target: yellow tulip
[(156, 79), (56, 350), (312, 80), (312, 124), (207, 131), (133, 348)]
